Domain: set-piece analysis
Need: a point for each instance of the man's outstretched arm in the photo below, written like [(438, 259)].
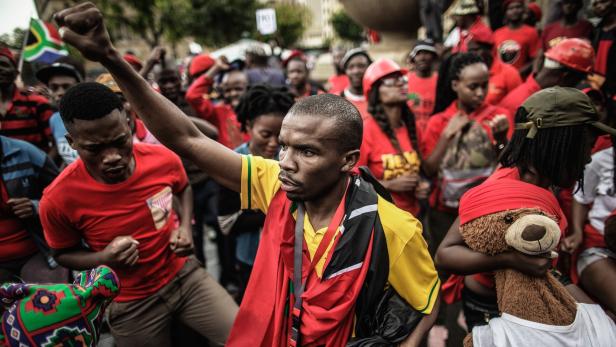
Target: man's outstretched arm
[(82, 27)]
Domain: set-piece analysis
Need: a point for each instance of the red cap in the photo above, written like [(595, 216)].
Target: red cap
[(133, 61), (482, 35), (573, 53), (378, 70), (293, 55), (200, 63), (5, 51), (536, 10)]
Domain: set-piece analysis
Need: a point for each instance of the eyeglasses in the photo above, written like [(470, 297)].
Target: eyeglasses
[(395, 81)]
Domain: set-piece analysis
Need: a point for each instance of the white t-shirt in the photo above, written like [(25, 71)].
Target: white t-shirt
[(599, 188), (592, 327)]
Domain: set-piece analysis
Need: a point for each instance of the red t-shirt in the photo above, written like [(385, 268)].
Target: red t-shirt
[(15, 242), (337, 83), (554, 33), (517, 47), (381, 157), (516, 97), (359, 102), (221, 115), (606, 40), (422, 94), (76, 207), (503, 79)]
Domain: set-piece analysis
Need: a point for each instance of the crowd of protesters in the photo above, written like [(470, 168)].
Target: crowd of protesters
[(138, 168)]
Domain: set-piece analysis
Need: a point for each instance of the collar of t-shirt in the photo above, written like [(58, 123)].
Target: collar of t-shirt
[(353, 97)]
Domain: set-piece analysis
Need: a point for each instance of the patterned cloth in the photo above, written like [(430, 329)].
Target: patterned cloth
[(57, 314)]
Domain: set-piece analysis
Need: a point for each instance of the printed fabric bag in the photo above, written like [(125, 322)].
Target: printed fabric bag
[(61, 314), (469, 160)]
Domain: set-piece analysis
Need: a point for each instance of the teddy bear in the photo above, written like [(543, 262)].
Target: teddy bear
[(534, 310)]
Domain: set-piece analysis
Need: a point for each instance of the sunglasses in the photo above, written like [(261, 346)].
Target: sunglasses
[(394, 81)]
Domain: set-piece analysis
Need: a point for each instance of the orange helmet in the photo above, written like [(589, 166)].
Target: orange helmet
[(574, 53), (378, 70)]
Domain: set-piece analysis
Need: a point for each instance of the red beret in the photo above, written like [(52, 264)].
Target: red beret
[(6, 52), (200, 63), (536, 10)]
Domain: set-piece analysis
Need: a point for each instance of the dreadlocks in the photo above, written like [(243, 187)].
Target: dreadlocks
[(378, 112), (555, 153), (263, 99), (449, 71)]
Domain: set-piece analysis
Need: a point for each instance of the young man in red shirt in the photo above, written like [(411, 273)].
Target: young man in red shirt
[(517, 43), (305, 199), (355, 63), (234, 84), (569, 26), (117, 199), (468, 18), (503, 77), (605, 36), (23, 115), (422, 82), (565, 65)]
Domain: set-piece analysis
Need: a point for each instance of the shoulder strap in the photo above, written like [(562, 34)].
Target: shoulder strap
[(378, 187)]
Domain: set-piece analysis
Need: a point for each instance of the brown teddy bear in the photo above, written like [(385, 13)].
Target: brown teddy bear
[(505, 215)]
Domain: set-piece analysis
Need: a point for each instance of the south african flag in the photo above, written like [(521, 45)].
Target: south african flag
[(44, 44)]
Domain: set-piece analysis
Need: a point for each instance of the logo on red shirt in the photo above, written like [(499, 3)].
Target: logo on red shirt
[(509, 51), (160, 206)]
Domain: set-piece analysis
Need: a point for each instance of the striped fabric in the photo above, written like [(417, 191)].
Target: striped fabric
[(27, 119)]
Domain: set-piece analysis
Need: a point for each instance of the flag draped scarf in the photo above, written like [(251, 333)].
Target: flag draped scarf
[(329, 302)]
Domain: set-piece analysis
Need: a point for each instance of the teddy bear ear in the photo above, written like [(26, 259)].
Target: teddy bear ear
[(533, 234)]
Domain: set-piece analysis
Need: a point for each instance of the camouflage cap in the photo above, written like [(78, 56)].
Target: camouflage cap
[(560, 107)]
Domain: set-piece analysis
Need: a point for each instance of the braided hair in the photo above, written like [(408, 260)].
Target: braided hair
[(263, 99), (551, 150), (449, 71), (375, 108)]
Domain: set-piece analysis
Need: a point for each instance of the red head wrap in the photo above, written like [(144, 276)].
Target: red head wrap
[(507, 193)]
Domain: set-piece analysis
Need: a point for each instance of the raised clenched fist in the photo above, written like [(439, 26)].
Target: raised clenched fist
[(82, 26)]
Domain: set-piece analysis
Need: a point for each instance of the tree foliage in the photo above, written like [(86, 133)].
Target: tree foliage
[(14, 39), (346, 28), (210, 22), (292, 21), (219, 22)]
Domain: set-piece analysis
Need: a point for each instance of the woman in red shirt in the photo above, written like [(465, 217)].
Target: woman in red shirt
[(461, 143), (390, 139)]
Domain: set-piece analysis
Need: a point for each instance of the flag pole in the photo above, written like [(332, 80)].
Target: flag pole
[(23, 47)]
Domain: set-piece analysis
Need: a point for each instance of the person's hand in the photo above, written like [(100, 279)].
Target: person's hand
[(531, 265), (456, 123), (572, 242), (181, 242), (404, 183), (157, 55), (82, 27), (22, 207), (222, 64), (122, 251), (422, 191), (500, 126)]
